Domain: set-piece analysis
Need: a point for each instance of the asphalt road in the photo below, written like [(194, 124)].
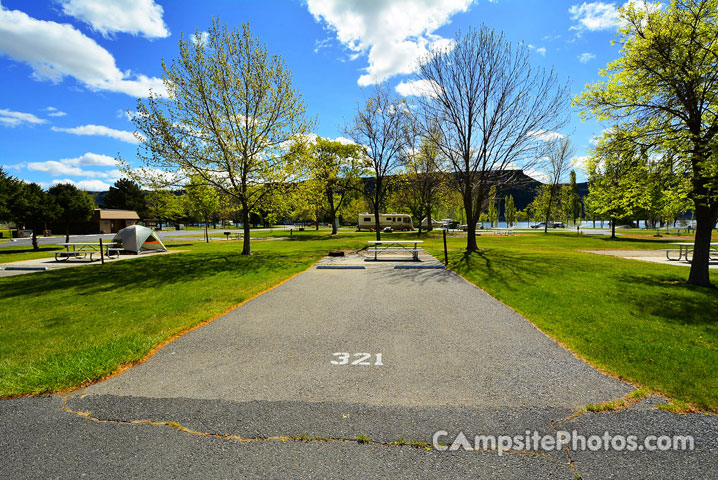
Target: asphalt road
[(255, 394)]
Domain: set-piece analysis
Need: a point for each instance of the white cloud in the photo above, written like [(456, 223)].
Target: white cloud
[(594, 16), (10, 118), (586, 57), (136, 17), (202, 38), (345, 141), (100, 130), (537, 175), (424, 88), (55, 168), (545, 135), (540, 50), (394, 34), (579, 162), (91, 159), (89, 185), (55, 51), (54, 112), (14, 166), (71, 168)]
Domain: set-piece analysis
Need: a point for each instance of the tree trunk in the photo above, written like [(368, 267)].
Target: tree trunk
[(332, 211), (706, 218), (206, 229), (67, 232), (613, 228), (34, 240), (429, 226), (471, 245), (246, 248), (548, 211), (377, 225)]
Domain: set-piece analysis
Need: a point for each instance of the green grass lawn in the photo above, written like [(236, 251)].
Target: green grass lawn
[(62, 328), (633, 319), (15, 254)]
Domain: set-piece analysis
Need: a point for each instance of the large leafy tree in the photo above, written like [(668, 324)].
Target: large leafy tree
[(8, 186), (165, 205), (664, 89), (574, 207), (617, 178), (74, 205), (229, 118), (334, 170), (126, 194), (203, 201), (493, 110), (33, 208)]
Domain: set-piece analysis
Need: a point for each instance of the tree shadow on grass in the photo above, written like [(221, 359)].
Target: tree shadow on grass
[(513, 270), (146, 273), (670, 298), (10, 251)]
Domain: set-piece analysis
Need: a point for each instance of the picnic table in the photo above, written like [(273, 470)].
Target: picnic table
[(503, 231), (397, 246), (684, 248), (82, 249)]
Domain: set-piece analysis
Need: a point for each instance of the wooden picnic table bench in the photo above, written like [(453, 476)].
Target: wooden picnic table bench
[(684, 248), (82, 250), (396, 246)]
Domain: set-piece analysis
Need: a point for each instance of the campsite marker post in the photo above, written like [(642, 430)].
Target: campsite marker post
[(102, 254), (446, 254)]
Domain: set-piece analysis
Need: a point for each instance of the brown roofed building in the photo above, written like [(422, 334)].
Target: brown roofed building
[(112, 221)]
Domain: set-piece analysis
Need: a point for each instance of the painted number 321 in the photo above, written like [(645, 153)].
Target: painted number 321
[(359, 359)]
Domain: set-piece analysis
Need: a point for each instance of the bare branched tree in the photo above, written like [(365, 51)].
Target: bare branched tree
[(380, 127), (493, 111), (558, 163), (423, 176)]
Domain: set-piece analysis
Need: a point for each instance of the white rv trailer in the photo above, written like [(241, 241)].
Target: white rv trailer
[(397, 221)]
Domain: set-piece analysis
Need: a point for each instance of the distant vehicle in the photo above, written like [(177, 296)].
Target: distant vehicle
[(388, 230), (550, 225), (397, 221)]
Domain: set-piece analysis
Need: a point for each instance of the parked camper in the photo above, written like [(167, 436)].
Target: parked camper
[(397, 221)]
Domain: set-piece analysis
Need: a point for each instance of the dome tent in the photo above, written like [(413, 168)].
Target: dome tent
[(138, 239)]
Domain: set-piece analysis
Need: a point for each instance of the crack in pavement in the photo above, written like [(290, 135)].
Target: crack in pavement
[(568, 450), (87, 414)]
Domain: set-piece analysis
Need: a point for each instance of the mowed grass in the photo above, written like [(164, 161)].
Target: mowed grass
[(635, 320), (15, 254), (63, 328)]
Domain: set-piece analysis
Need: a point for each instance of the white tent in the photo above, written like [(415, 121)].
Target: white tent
[(138, 239)]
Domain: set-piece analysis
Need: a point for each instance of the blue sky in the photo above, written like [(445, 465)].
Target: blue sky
[(69, 69)]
